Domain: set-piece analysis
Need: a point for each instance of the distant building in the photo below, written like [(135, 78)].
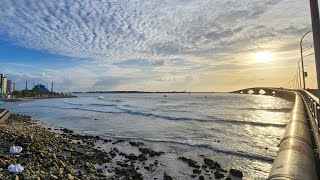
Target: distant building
[(40, 87), (9, 87), (4, 85), (1, 77)]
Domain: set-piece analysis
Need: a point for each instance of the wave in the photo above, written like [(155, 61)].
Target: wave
[(207, 146), (252, 123), (167, 117), (129, 111), (73, 103), (268, 109), (96, 104)]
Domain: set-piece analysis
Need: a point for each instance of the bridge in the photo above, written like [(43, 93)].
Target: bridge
[(299, 151)]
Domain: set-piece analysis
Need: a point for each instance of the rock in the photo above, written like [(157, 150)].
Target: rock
[(190, 162), (166, 176), (70, 177), (212, 164), (142, 157), (147, 168), (196, 171), (193, 175), (236, 173), (218, 175), (122, 164), (53, 177), (149, 151), (136, 144), (65, 130), (201, 178), (80, 150), (132, 157), (208, 162)]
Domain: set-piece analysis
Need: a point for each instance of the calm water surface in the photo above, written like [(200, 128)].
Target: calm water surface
[(240, 131)]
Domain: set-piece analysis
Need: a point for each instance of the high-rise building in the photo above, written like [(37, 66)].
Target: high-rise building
[(9, 87), (1, 77), (4, 85)]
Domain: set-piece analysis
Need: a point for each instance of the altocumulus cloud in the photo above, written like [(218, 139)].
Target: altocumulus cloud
[(153, 33)]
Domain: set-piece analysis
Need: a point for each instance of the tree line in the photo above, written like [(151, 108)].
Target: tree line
[(31, 93)]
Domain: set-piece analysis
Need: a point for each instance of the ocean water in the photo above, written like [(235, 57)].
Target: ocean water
[(239, 131)]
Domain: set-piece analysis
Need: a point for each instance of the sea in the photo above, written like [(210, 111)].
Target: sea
[(238, 131)]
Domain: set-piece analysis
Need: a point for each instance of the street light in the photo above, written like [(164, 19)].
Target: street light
[(302, 66), (299, 74)]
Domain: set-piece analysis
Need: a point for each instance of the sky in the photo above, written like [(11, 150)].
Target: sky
[(153, 45)]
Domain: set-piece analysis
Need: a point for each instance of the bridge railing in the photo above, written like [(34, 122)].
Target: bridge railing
[(313, 105)]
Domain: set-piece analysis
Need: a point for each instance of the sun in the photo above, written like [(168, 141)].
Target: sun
[(263, 57)]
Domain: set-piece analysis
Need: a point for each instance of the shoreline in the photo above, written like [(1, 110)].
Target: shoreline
[(52, 153), (33, 98)]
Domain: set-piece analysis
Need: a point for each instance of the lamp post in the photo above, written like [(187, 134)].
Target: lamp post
[(316, 37), (299, 75), (302, 65)]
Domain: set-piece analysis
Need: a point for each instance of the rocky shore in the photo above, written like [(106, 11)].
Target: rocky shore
[(50, 153)]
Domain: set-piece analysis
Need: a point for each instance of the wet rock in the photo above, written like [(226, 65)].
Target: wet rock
[(65, 130), (122, 164), (107, 140), (218, 175), (142, 157), (132, 157), (236, 173), (166, 176), (196, 171), (222, 170), (149, 151), (193, 175), (190, 162), (147, 168), (211, 164), (136, 144), (201, 178)]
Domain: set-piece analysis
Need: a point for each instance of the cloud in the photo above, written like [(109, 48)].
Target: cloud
[(137, 39)]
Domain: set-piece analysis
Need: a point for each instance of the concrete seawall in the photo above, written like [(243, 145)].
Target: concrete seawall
[(295, 158)]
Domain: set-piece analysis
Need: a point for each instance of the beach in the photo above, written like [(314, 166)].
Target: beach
[(52, 153)]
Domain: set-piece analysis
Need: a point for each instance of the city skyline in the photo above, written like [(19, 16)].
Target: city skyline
[(176, 45)]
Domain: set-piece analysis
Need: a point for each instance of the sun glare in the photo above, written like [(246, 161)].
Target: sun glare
[(263, 57)]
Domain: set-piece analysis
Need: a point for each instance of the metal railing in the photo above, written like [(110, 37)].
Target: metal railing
[(313, 110), (312, 102)]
